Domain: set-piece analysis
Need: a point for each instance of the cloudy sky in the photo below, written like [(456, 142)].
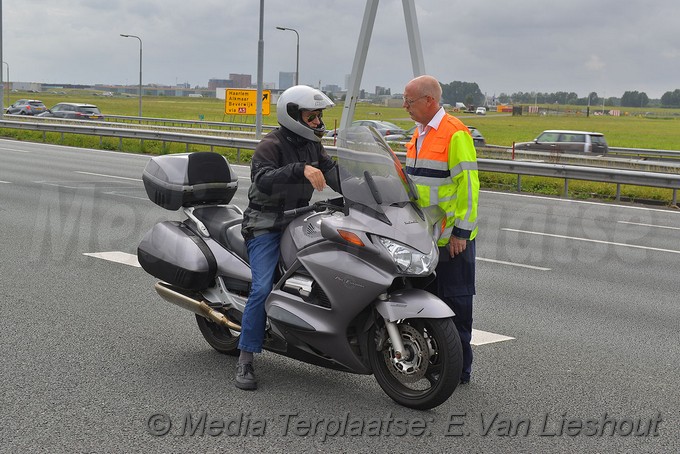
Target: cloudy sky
[(605, 46)]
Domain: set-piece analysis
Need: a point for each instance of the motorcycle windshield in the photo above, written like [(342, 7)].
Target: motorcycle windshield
[(370, 172)]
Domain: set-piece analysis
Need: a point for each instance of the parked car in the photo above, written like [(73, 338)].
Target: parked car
[(477, 136), (26, 107), (563, 141), (75, 111), (404, 137), (385, 128), (480, 111)]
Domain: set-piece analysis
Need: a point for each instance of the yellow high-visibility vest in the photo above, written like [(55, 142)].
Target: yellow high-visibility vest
[(445, 174)]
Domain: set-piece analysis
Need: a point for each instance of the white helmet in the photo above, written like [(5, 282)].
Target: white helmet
[(295, 99)]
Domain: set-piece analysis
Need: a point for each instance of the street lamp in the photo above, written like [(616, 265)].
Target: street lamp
[(297, 60), (140, 70), (7, 82)]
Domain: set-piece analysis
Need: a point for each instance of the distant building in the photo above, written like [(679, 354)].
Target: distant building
[(241, 80), (332, 88), (27, 86), (220, 83), (286, 80), (382, 91)]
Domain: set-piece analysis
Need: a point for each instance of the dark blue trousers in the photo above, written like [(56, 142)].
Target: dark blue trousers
[(455, 285)]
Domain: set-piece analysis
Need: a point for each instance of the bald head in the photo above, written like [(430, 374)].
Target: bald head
[(421, 98), (426, 86)]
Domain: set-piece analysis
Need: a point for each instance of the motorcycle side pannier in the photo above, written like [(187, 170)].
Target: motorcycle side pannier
[(189, 179), (173, 253)]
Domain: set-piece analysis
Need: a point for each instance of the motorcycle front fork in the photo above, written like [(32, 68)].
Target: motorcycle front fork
[(395, 338)]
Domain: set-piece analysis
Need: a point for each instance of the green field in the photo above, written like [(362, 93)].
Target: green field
[(634, 129)]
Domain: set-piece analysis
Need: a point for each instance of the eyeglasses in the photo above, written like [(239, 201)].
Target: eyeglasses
[(409, 102), (313, 116)]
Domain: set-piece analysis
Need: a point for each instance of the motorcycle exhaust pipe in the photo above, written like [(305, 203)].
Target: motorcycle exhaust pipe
[(197, 307)]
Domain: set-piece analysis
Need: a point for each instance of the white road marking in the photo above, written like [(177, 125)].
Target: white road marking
[(650, 225), (116, 256), (108, 176), (5, 182), (540, 268), (635, 246), (14, 149), (582, 202), (479, 337)]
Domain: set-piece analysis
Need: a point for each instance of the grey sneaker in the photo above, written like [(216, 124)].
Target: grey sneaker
[(245, 377)]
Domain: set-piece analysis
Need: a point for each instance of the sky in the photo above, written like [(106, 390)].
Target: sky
[(581, 46)]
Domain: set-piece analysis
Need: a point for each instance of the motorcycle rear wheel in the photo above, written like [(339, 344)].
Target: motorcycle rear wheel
[(430, 370), (219, 338)]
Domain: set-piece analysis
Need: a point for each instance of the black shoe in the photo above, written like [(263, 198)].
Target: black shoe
[(245, 377), (464, 380)]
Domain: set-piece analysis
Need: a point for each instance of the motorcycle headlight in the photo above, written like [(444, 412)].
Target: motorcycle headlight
[(409, 260)]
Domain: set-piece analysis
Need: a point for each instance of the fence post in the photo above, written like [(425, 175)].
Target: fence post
[(618, 192), (566, 188)]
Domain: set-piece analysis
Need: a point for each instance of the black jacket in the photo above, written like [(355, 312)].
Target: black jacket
[(278, 181)]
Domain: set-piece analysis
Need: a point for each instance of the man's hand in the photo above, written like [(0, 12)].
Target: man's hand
[(456, 246), (315, 176)]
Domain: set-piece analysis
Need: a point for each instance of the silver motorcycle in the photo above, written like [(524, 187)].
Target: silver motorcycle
[(348, 294)]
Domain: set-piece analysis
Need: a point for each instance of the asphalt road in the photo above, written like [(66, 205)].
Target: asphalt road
[(92, 360)]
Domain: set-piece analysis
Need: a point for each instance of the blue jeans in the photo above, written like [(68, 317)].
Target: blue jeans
[(263, 253)]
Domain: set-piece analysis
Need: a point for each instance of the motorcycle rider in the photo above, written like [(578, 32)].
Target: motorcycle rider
[(289, 163)]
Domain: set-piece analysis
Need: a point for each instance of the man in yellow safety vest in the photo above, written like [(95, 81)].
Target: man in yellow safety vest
[(442, 162)]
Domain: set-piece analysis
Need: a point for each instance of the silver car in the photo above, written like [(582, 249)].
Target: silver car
[(26, 107), (565, 141)]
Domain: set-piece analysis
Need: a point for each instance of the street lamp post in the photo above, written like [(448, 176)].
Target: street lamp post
[(140, 70), (7, 82), (297, 59)]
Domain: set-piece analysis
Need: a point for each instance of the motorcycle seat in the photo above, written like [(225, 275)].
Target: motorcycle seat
[(235, 241), (218, 219)]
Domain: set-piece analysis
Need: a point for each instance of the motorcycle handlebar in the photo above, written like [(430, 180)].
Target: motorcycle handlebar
[(302, 210), (335, 204)]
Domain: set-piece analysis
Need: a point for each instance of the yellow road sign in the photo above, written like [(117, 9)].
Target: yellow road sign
[(244, 102)]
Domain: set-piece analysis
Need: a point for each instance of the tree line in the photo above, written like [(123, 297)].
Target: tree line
[(470, 94)]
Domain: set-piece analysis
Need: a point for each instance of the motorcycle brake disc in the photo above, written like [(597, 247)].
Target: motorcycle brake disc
[(415, 358)]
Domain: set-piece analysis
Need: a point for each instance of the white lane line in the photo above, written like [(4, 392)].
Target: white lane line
[(107, 176), (650, 225), (5, 182), (635, 246), (480, 337), (116, 256), (580, 202), (539, 268), (14, 149)]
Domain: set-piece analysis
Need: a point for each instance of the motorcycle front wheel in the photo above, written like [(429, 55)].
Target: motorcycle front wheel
[(220, 338), (429, 370)]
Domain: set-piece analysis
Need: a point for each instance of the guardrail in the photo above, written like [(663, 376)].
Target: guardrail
[(245, 128), (567, 172)]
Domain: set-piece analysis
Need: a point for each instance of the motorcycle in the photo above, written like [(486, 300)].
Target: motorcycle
[(349, 291)]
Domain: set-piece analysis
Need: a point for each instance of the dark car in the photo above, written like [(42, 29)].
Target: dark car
[(26, 107), (74, 111), (564, 141), (385, 128), (477, 136)]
